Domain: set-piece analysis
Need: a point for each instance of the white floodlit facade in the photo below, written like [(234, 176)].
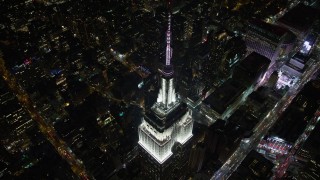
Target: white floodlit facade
[(158, 138), (159, 144)]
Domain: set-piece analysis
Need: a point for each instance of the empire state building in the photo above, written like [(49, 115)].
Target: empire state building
[(168, 122)]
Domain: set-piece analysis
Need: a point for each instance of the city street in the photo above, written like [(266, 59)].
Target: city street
[(46, 129), (265, 124)]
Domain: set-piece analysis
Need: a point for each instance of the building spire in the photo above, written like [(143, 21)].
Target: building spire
[(169, 121), (167, 95), (168, 49)]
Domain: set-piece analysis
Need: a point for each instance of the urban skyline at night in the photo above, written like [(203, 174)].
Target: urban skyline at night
[(160, 89)]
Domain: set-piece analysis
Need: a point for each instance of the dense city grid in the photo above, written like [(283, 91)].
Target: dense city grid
[(160, 89)]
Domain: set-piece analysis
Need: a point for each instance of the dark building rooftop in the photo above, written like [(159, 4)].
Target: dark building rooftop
[(256, 96), (312, 90), (254, 166), (254, 63), (294, 120), (126, 85), (300, 18), (225, 95), (243, 119), (313, 142), (265, 29), (300, 57), (161, 123), (251, 68)]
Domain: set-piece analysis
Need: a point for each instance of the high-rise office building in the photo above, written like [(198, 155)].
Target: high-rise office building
[(301, 20), (269, 40), (166, 127), (197, 157)]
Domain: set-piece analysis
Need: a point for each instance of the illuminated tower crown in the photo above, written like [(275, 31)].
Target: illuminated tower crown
[(169, 120), (167, 95)]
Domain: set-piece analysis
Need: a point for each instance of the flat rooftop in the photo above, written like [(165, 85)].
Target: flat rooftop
[(224, 96), (254, 63), (254, 166), (269, 30), (300, 17)]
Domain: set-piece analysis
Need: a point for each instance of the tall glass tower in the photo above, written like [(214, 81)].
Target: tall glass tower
[(168, 121)]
